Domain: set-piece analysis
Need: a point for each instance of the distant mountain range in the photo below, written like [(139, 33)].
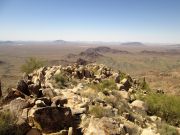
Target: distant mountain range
[(62, 42)]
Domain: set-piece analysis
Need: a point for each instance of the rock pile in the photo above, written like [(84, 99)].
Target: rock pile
[(77, 99)]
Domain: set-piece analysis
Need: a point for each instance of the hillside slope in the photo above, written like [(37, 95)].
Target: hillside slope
[(80, 99)]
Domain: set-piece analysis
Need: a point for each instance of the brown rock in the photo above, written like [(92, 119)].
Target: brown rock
[(140, 105), (34, 89), (104, 126), (48, 92), (0, 90), (58, 101), (17, 105), (117, 78), (13, 94), (23, 87), (51, 119), (34, 131), (22, 126), (126, 84)]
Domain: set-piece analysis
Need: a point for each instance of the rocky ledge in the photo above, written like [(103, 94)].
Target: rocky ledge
[(77, 99)]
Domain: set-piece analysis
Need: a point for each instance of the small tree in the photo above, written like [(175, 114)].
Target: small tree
[(31, 64)]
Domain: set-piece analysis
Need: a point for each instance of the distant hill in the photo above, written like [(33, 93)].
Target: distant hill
[(60, 41), (90, 53), (133, 44), (6, 42), (2, 62), (167, 52), (152, 52), (104, 49), (94, 53)]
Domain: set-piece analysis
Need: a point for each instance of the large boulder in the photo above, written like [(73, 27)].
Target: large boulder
[(23, 87), (22, 126), (88, 74), (124, 94), (139, 105), (59, 101), (17, 105), (48, 92), (50, 119), (12, 94), (120, 86), (34, 89), (117, 78), (126, 83), (149, 131), (34, 131)]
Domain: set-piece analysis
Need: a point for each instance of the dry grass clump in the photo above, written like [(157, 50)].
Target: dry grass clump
[(6, 123), (104, 85), (99, 111)]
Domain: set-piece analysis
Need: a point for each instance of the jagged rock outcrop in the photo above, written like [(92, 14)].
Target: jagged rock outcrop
[(87, 99)]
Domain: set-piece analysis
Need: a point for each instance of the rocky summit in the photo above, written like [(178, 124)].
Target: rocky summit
[(79, 99)]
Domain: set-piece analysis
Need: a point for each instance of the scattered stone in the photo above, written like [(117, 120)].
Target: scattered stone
[(120, 86), (140, 105), (70, 131), (103, 126), (40, 103), (148, 131)]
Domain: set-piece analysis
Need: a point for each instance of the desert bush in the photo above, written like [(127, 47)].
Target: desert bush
[(89, 93), (122, 75), (6, 124), (165, 106), (31, 64), (61, 80), (99, 111), (104, 85), (143, 84), (165, 129)]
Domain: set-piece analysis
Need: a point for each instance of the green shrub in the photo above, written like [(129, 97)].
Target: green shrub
[(31, 64), (165, 129), (100, 112), (144, 85), (165, 106), (105, 85), (122, 75), (61, 80), (6, 124)]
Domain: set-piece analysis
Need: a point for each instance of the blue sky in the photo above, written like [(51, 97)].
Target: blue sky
[(91, 20)]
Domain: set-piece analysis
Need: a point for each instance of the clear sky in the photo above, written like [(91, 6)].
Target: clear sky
[(91, 20)]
